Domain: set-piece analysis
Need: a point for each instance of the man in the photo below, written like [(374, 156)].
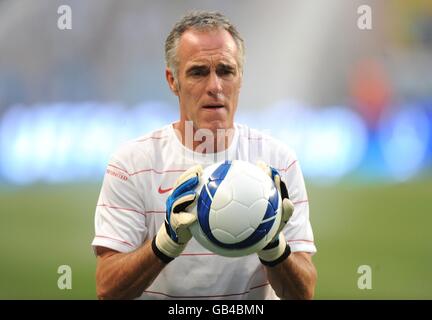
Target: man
[(143, 246)]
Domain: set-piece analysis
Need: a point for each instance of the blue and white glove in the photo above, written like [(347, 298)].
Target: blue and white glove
[(277, 250), (174, 234)]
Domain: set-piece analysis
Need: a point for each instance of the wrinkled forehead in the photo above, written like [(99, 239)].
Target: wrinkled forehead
[(202, 45)]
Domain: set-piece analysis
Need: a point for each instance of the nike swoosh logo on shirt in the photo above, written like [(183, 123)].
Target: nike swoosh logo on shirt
[(162, 191)]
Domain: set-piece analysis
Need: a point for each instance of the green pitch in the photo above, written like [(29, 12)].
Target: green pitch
[(383, 226)]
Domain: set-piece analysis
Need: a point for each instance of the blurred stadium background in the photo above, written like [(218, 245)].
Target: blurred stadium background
[(355, 104)]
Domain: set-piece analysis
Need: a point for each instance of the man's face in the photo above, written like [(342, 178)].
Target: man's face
[(209, 78)]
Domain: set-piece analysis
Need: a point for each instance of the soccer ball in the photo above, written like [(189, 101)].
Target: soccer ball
[(238, 209)]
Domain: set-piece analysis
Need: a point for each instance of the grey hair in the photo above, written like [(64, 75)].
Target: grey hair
[(200, 20)]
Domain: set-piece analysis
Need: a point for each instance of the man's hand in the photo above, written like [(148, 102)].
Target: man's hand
[(174, 234), (277, 250)]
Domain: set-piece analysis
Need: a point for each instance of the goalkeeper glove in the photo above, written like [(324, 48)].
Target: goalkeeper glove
[(174, 234), (277, 250)]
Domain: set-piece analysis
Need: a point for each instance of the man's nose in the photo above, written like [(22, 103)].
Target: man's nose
[(214, 85)]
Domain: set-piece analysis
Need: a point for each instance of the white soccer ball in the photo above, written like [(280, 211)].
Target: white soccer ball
[(238, 209)]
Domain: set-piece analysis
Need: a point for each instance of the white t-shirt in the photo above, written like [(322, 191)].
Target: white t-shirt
[(131, 208)]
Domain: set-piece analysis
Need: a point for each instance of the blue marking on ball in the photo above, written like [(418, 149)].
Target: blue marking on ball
[(204, 205)]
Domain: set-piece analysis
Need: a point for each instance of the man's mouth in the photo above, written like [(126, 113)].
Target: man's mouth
[(213, 106)]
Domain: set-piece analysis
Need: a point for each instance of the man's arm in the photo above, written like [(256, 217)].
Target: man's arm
[(126, 275), (292, 275), (295, 277)]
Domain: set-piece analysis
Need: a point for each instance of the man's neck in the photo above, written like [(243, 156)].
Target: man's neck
[(203, 140)]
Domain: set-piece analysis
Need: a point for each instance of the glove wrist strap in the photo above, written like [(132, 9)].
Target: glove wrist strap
[(162, 256), (166, 248), (275, 253)]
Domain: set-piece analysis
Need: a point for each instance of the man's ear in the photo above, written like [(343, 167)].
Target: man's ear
[(171, 81)]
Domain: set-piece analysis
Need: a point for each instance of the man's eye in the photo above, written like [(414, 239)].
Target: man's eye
[(198, 72), (225, 72)]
